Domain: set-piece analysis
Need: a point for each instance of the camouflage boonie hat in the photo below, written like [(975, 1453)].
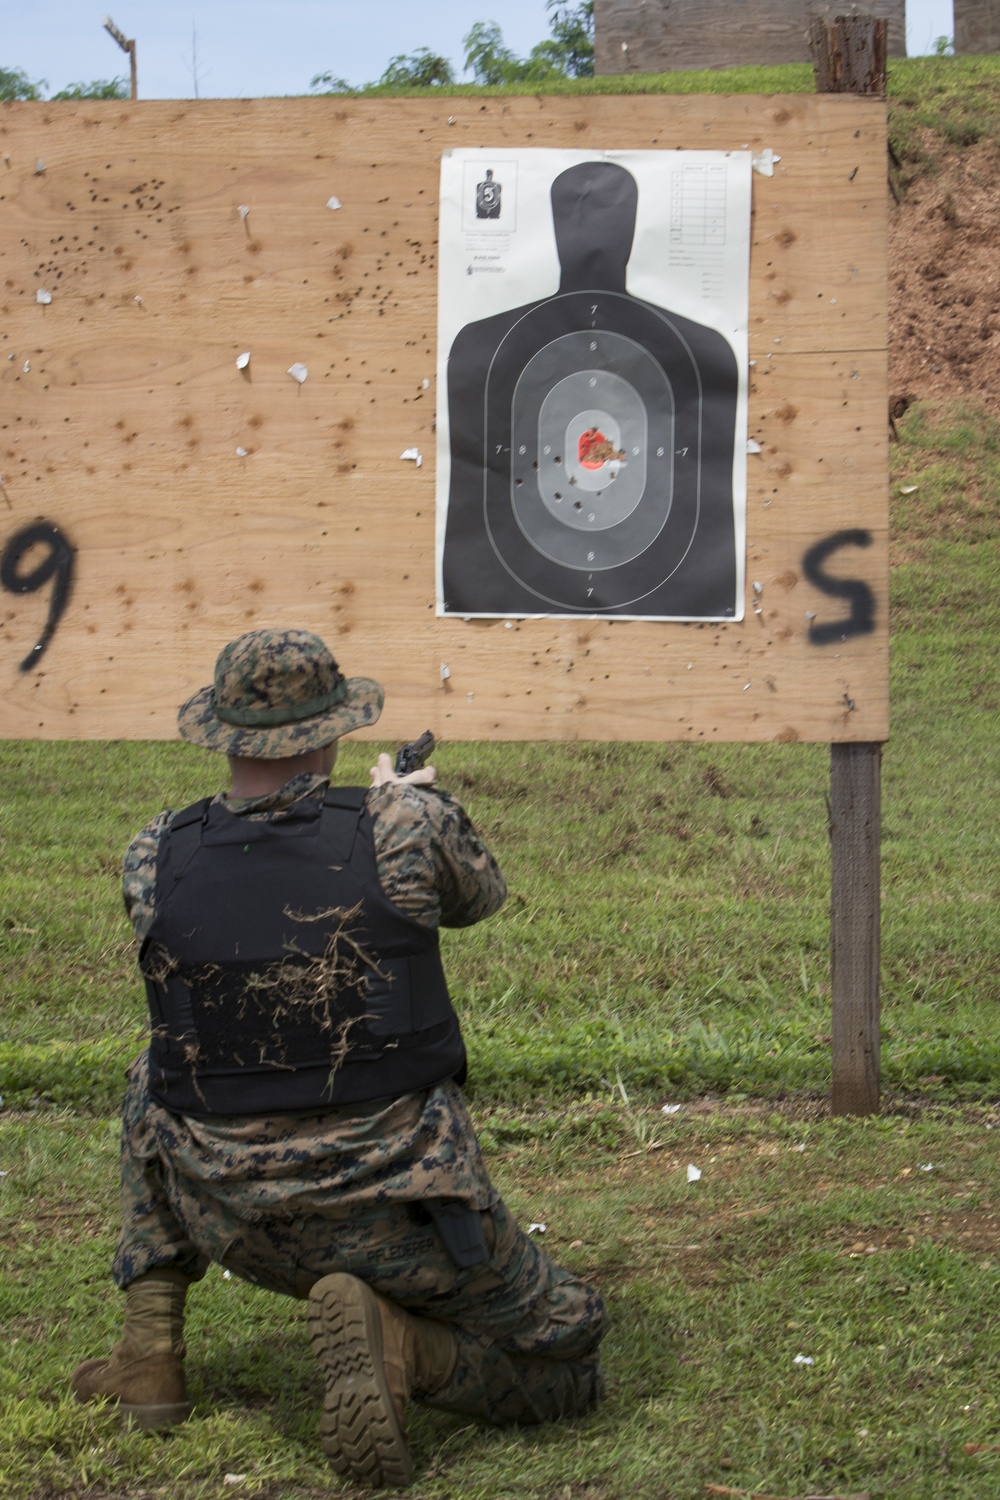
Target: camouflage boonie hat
[(277, 693)]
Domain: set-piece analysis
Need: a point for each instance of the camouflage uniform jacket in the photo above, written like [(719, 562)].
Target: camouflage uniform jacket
[(432, 863)]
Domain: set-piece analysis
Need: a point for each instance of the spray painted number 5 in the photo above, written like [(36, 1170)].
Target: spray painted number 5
[(34, 556)]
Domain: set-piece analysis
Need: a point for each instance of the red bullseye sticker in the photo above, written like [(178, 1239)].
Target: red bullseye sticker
[(595, 450)]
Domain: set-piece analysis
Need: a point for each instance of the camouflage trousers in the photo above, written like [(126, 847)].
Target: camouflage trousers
[(527, 1330)]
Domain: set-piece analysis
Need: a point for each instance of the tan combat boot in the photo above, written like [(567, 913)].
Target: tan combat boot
[(372, 1354), (145, 1371)]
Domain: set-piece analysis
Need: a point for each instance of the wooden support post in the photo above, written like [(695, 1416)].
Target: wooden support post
[(849, 54), (855, 838), (127, 45), (849, 57)]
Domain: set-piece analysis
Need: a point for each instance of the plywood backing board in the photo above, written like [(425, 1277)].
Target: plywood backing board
[(122, 412)]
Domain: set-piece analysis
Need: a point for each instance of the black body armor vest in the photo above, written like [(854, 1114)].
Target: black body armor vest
[(279, 975)]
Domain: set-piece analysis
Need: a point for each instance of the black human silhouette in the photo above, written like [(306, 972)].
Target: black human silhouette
[(488, 195), (591, 439)]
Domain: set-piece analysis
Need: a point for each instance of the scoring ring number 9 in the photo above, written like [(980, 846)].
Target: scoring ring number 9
[(55, 563)]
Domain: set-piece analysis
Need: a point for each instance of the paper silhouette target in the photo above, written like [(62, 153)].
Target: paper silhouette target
[(587, 457)]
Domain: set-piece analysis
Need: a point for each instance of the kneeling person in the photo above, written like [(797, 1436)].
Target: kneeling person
[(298, 1115)]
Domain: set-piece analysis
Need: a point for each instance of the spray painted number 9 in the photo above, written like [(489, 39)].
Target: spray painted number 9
[(43, 545)]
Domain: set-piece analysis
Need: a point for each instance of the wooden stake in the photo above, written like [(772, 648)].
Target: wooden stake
[(854, 926), (849, 57), (849, 54)]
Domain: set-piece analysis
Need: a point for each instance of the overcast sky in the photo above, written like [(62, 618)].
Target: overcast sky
[(250, 48)]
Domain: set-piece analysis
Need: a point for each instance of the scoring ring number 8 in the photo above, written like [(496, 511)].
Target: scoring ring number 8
[(56, 563)]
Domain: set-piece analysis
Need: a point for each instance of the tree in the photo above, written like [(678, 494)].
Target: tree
[(490, 62), (15, 84), (329, 83), (420, 70), (572, 28), (567, 53), (101, 88)]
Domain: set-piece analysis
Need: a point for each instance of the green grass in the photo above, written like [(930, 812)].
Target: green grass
[(786, 78), (805, 1236), (954, 101), (937, 89)]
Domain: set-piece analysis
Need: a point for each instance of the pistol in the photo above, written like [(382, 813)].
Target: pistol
[(411, 757)]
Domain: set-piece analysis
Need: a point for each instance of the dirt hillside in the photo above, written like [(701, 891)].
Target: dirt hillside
[(944, 282)]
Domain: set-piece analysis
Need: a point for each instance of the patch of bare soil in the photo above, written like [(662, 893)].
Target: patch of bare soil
[(944, 282), (976, 1231), (805, 1108)]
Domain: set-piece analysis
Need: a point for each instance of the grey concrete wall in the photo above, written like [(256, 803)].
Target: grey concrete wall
[(977, 26), (659, 36)]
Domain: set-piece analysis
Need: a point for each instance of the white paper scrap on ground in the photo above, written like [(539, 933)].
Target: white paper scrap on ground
[(764, 162), (537, 1228), (298, 372), (445, 671), (241, 452), (43, 296), (413, 453), (334, 203), (669, 1109), (243, 210), (242, 360), (694, 1173), (803, 1359)]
